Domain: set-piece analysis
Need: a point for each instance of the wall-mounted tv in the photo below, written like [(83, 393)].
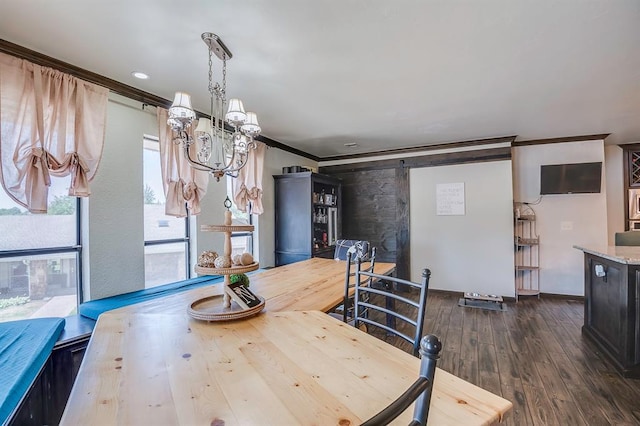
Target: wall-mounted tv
[(580, 178)]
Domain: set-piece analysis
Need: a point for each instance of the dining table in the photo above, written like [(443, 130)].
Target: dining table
[(314, 284), (291, 364)]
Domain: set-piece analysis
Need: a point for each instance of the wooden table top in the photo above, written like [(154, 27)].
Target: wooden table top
[(282, 368), (314, 284)]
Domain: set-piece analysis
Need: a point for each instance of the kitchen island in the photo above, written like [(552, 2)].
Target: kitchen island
[(612, 304)]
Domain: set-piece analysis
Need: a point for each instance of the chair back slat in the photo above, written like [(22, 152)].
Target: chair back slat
[(363, 305), (392, 330), (346, 302), (386, 293), (398, 315)]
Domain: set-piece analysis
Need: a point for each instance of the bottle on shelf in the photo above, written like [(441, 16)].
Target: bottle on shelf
[(322, 197)]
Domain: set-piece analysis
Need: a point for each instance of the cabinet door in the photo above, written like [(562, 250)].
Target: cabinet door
[(293, 216)]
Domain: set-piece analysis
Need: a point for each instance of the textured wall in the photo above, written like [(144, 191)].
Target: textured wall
[(113, 215)]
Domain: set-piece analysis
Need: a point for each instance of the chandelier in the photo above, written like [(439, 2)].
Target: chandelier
[(217, 150)]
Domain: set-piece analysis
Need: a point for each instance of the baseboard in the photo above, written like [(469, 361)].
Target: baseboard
[(513, 299)]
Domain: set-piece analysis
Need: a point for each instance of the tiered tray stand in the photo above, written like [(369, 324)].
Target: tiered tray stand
[(222, 307)]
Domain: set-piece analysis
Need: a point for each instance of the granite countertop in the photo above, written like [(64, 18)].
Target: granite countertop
[(621, 254)]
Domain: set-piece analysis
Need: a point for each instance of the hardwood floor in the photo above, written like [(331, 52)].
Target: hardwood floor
[(534, 355)]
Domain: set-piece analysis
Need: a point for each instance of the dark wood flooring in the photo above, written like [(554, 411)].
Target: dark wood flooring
[(535, 356)]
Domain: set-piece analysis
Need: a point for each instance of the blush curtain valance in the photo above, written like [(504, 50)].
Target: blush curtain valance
[(247, 187), (52, 124), (183, 185)]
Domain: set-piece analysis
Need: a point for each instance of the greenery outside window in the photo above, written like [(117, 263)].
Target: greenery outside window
[(40, 256)]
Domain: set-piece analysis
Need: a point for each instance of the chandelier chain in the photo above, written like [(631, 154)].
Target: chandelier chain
[(224, 78)]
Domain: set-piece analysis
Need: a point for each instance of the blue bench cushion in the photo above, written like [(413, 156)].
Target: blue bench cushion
[(25, 346), (94, 308)]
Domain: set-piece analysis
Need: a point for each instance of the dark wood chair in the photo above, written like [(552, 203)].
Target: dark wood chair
[(404, 309), (419, 392)]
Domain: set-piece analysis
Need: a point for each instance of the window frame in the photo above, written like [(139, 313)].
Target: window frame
[(239, 234), (75, 248), (186, 240)]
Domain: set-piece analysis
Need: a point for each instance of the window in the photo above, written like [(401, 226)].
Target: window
[(40, 256), (166, 238), (241, 242)]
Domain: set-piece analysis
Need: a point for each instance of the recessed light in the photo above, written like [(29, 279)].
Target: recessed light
[(140, 75), (351, 144)]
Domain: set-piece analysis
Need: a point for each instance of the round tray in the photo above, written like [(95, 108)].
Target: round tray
[(226, 228), (227, 271), (212, 309)]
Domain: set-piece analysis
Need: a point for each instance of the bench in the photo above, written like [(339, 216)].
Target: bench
[(25, 347), (94, 308)]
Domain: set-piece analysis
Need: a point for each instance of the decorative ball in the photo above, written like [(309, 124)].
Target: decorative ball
[(246, 259), (237, 259), (222, 262), (207, 259)]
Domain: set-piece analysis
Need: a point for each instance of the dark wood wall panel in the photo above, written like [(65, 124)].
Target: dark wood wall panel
[(369, 209), (403, 264)]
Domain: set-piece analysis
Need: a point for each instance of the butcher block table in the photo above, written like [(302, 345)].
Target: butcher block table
[(315, 284), (277, 368)]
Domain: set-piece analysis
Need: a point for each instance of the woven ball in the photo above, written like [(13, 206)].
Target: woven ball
[(222, 262), (237, 259), (207, 259), (246, 259)]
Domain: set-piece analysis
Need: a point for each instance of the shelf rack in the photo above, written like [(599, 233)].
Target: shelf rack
[(527, 251)]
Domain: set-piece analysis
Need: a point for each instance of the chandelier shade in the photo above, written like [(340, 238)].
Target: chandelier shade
[(204, 126), (251, 126), (236, 113), (231, 145)]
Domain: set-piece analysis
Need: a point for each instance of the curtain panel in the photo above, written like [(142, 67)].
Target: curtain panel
[(51, 124), (183, 185), (247, 187)]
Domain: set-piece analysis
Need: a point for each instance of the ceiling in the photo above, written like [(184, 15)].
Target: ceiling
[(382, 74)]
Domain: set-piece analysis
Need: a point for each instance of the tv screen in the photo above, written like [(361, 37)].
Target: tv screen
[(581, 178)]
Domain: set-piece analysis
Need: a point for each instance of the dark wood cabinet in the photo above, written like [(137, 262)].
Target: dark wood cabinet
[(307, 216), (45, 401), (612, 311)]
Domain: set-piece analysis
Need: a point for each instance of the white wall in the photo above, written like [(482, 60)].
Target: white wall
[(562, 220), (473, 252), (614, 176), (113, 247)]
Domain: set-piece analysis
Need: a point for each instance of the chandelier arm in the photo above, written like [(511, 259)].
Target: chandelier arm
[(193, 163)]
